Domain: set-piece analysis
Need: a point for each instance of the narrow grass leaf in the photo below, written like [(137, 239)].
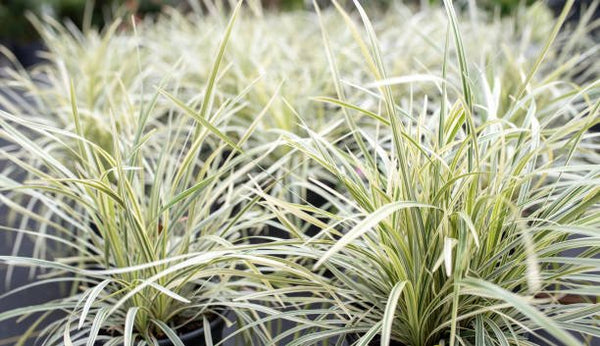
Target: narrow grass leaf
[(129, 324), (488, 289), (90, 300), (368, 223), (390, 310), (170, 333)]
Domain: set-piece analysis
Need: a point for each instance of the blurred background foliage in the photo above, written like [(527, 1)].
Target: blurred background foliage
[(15, 27)]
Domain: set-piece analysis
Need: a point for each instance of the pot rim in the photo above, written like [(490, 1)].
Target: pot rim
[(214, 324)]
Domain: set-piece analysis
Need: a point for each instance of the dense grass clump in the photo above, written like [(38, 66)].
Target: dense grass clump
[(458, 213), (431, 175)]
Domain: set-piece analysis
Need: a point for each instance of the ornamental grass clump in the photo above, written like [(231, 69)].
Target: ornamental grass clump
[(154, 231), (458, 223)]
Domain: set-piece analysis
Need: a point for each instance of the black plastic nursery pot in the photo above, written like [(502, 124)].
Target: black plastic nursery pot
[(376, 341), (193, 335), (197, 337)]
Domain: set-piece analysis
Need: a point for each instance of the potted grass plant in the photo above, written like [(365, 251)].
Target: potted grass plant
[(155, 230), (455, 219)]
